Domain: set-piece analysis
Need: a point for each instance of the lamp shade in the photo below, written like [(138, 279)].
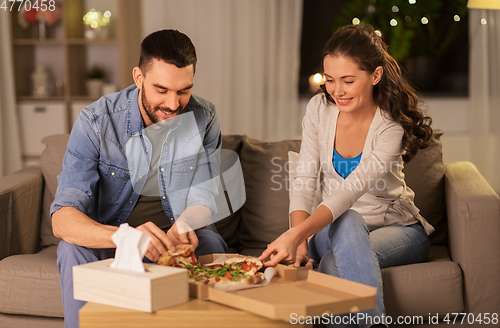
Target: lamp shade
[(484, 4)]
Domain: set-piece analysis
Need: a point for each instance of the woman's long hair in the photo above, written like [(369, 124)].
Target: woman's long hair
[(393, 93)]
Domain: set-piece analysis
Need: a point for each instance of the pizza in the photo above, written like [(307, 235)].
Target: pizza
[(240, 270), (182, 256), (243, 270)]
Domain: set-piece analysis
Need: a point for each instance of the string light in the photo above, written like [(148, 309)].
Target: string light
[(356, 21), (424, 20), (407, 18), (378, 33), (95, 19), (395, 9), (456, 18), (394, 22), (484, 21), (412, 2)]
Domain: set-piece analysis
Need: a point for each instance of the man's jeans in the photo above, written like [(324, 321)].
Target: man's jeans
[(69, 255), (347, 250)]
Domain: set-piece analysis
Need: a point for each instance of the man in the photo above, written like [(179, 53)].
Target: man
[(146, 155)]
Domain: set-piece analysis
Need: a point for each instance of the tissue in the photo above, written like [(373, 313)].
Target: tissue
[(131, 245)]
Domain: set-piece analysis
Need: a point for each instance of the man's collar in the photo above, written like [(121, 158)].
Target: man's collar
[(135, 123)]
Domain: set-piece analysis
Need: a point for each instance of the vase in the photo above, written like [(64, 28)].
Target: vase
[(40, 81), (94, 87), (42, 32)]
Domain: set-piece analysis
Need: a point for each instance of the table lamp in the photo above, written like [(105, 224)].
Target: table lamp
[(484, 4)]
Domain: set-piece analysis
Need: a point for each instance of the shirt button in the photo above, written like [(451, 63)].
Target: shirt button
[(191, 168), (140, 177), (162, 169), (164, 197), (172, 219), (147, 150), (113, 173), (131, 202)]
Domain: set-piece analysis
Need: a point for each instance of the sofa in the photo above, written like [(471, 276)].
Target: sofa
[(460, 275)]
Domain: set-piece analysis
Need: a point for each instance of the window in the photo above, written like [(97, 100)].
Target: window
[(429, 38)]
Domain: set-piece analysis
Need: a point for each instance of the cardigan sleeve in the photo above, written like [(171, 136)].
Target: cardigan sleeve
[(307, 168), (374, 166)]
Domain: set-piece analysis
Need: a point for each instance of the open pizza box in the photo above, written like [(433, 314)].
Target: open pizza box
[(200, 291), (157, 288), (292, 292)]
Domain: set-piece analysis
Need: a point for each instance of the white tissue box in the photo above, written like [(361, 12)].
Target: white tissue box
[(157, 288)]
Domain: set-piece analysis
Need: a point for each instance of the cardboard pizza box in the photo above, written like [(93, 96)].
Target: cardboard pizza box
[(318, 295), (157, 288), (293, 292)]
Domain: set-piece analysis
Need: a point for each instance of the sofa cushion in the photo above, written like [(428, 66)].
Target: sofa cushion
[(264, 215), (425, 176), (51, 162), (228, 227), (30, 284), (29, 321), (419, 289), (293, 158)]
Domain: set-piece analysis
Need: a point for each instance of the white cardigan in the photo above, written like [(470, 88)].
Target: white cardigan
[(376, 188)]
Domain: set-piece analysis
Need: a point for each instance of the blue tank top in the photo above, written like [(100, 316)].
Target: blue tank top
[(344, 166)]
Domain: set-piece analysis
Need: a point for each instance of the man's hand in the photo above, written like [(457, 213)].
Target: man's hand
[(181, 233), (160, 241)]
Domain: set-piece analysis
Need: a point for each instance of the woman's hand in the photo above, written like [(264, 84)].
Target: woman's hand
[(303, 259), (283, 249)]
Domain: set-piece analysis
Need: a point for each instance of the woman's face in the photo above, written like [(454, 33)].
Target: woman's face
[(350, 87)]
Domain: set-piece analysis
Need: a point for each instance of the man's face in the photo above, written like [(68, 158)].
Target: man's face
[(165, 90)]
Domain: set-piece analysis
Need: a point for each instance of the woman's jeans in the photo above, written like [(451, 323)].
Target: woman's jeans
[(346, 249)]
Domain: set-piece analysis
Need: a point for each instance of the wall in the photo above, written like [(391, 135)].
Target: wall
[(452, 116)]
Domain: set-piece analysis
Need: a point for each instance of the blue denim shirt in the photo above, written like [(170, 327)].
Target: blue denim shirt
[(108, 155)]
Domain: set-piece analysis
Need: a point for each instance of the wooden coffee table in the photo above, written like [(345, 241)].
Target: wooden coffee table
[(195, 313)]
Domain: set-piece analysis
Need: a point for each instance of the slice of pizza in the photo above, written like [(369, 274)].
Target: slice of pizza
[(183, 256), (241, 278), (246, 264)]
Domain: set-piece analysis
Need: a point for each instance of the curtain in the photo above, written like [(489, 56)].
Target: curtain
[(484, 85), (248, 59), (10, 143)]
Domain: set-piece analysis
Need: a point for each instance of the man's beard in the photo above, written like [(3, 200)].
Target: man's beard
[(152, 111)]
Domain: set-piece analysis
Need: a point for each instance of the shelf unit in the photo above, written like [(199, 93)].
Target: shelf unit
[(67, 55)]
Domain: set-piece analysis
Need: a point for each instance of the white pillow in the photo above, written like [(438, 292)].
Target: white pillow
[(293, 158)]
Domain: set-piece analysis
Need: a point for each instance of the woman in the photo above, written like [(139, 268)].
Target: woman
[(359, 131)]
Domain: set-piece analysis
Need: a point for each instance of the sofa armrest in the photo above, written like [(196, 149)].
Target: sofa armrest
[(20, 211), (473, 210)]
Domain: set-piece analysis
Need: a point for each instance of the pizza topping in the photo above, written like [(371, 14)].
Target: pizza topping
[(246, 267)]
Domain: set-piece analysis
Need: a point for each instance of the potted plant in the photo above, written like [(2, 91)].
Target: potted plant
[(95, 81)]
